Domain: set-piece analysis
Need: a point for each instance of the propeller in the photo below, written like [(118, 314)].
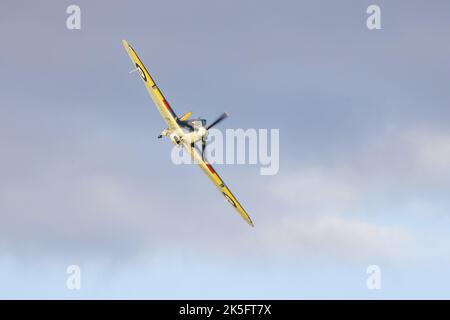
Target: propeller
[(218, 120), (215, 122)]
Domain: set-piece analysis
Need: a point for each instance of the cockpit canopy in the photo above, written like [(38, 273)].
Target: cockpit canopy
[(194, 124)]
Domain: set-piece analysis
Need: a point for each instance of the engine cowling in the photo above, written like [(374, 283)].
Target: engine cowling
[(202, 132), (175, 139)]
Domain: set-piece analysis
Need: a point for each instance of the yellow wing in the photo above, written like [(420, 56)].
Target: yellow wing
[(218, 182), (158, 98)]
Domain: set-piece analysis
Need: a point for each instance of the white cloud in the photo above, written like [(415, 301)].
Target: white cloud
[(321, 210), (324, 214), (316, 190), (337, 236), (432, 151), (326, 208)]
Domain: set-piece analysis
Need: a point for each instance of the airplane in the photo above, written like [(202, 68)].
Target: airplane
[(183, 132)]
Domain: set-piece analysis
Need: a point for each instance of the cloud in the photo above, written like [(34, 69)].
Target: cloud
[(337, 236), (412, 154), (77, 204), (71, 181), (323, 213), (361, 205)]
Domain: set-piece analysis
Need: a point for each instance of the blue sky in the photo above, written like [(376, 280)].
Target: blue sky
[(364, 150)]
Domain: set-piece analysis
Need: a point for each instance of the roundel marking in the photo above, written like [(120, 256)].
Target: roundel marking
[(229, 199), (141, 72)]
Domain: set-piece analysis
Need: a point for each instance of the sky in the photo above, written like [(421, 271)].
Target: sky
[(364, 150)]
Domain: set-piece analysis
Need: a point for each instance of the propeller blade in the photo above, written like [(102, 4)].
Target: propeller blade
[(219, 119)]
